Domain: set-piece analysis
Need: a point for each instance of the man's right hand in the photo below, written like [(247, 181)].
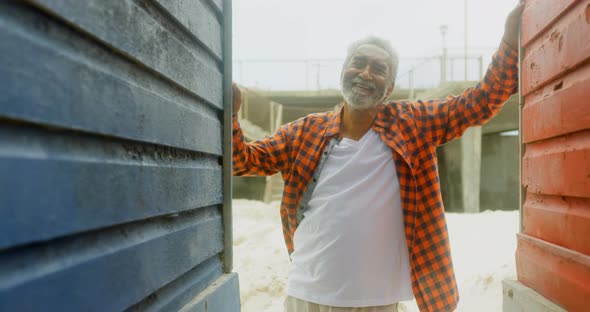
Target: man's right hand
[(511, 26), (237, 98)]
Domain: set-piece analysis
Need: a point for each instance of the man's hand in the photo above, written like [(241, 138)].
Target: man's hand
[(511, 26), (237, 98)]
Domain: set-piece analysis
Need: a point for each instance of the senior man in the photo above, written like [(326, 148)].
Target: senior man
[(362, 213)]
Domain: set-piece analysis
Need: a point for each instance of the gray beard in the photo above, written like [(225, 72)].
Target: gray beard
[(359, 101)]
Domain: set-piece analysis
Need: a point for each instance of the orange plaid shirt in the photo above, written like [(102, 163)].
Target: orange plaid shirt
[(413, 130)]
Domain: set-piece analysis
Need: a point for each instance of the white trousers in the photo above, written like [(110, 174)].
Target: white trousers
[(293, 304)]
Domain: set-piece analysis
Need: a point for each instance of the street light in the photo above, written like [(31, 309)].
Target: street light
[(443, 61), (465, 43)]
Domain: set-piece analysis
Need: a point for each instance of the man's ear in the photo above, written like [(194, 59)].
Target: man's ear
[(389, 90)]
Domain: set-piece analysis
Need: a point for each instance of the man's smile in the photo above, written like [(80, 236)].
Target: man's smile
[(364, 88)]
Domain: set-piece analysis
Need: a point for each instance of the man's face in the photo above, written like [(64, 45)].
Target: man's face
[(366, 78)]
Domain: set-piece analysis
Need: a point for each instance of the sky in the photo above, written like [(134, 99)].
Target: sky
[(323, 29)]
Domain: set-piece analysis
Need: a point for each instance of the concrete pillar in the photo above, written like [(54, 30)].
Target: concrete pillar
[(459, 169), (471, 168)]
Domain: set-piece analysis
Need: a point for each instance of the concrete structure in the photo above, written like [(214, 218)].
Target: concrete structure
[(553, 253), (499, 172), (114, 171), (468, 184), (519, 298)]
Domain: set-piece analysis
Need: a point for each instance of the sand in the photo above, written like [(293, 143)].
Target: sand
[(482, 245)]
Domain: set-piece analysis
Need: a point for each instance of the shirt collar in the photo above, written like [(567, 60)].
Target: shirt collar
[(335, 120), (380, 118)]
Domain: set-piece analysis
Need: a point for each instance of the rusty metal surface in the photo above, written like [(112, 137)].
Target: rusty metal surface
[(558, 109), (561, 220), (558, 50), (558, 166), (553, 254), (540, 14), (557, 273)]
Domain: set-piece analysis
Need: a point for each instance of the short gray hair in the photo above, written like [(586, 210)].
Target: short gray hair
[(378, 42)]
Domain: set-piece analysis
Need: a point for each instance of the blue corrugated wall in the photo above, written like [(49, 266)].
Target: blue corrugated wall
[(111, 149)]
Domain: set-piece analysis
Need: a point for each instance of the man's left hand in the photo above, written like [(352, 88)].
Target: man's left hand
[(511, 26)]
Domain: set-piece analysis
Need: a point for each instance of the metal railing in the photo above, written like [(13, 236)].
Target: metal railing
[(321, 74)]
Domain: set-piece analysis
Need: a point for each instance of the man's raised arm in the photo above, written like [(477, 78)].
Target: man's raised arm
[(263, 157), (447, 119)]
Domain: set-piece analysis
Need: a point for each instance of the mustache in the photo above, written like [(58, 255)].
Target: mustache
[(367, 84)]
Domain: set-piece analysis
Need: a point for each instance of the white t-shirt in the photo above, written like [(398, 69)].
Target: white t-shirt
[(350, 247)]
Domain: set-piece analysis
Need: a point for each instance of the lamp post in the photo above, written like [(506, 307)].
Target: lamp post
[(465, 42), (443, 61)]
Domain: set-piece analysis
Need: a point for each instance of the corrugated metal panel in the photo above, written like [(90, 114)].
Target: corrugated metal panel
[(558, 273), (560, 220), (553, 255), (112, 156), (558, 166), (563, 107), (562, 47), (539, 15)]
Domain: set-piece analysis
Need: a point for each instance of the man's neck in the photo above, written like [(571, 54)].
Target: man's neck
[(355, 123)]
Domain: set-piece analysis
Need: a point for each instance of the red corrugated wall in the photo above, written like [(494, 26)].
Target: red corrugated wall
[(553, 255)]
